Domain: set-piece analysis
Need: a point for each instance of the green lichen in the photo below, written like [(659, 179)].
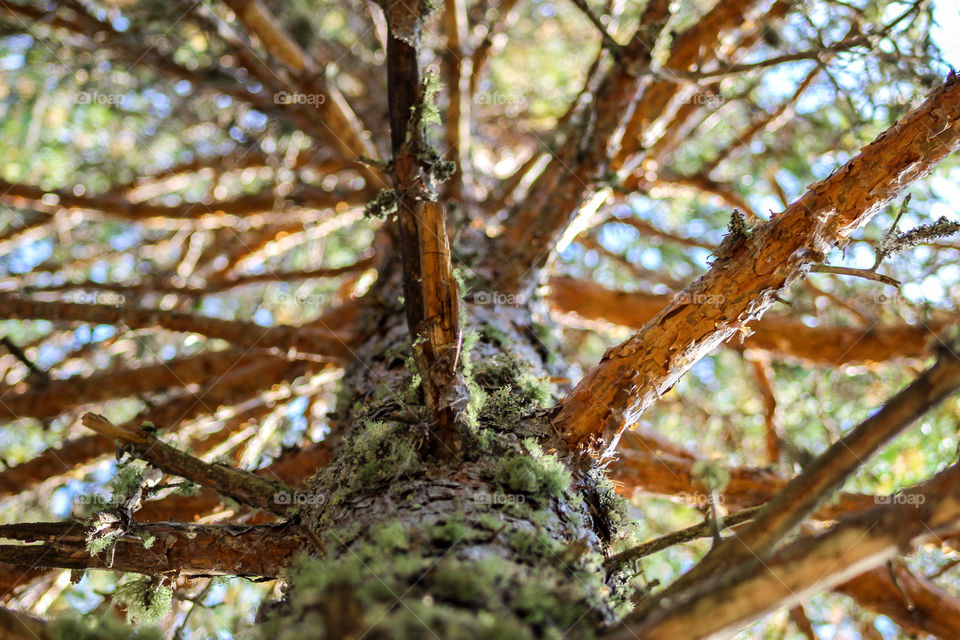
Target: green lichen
[(608, 508), (188, 488), (454, 595), (469, 583), (391, 536), (129, 478), (503, 388), (97, 543), (529, 543), (384, 452), (430, 113), (448, 533), (146, 599), (535, 473)]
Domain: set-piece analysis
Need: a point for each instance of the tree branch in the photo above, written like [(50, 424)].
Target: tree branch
[(858, 542), (342, 126), (566, 184), (228, 388), (752, 272), (242, 486), (825, 345), (185, 549), (292, 468), (60, 395), (112, 204), (309, 340), (430, 290), (798, 499)]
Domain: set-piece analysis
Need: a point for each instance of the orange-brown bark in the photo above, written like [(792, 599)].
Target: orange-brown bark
[(309, 340), (60, 395), (185, 549), (918, 605), (828, 345), (431, 293), (751, 272), (859, 542)]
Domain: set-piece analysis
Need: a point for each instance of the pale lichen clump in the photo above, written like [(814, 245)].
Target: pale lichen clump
[(145, 599)]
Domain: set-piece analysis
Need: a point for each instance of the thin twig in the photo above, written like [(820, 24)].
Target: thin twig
[(867, 274), (702, 530)]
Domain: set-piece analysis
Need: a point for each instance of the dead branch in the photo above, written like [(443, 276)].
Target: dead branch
[(240, 485), (185, 549), (431, 295)]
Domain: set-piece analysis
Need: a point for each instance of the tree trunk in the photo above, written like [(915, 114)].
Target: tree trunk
[(506, 541)]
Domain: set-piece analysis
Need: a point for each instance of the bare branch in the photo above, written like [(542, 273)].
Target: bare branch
[(341, 125), (432, 299), (826, 345), (292, 468), (240, 485), (857, 543), (867, 274), (702, 530), (227, 388), (826, 473), (566, 185), (752, 272), (457, 72), (308, 340), (118, 206), (59, 395), (812, 54), (186, 549)]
